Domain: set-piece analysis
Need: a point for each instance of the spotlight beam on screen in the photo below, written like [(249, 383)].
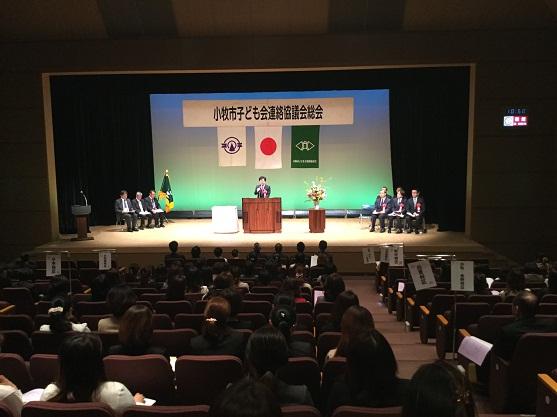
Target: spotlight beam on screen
[(355, 159)]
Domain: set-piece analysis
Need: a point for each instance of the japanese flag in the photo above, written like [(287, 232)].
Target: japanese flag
[(268, 147), (231, 146)]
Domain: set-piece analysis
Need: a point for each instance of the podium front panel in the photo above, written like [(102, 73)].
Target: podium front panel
[(262, 215)]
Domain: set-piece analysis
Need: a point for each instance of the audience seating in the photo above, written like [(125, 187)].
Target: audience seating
[(21, 298), (546, 404), (50, 409), (199, 379), (44, 369), (175, 341), (199, 307), (303, 371), (263, 307), (153, 298), (512, 385), (47, 342), (14, 368), (41, 319), (421, 298), (16, 322), (257, 319), (93, 320), (42, 307), (304, 308), (17, 341), (326, 342), (91, 308), (150, 375), (171, 308), (502, 309), (304, 322), (189, 321), (333, 369), (5, 411), (193, 297), (323, 307), (481, 298), (162, 322), (300, 411), (549, 298), (349, 411), (547, 308), (269, 297), (428, 313), (269, 289), (167, 411), (108, 339)]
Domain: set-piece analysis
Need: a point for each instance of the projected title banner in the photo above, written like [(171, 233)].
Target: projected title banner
[(270, 112)]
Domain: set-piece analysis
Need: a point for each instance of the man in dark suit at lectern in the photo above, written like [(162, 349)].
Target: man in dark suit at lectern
[(123, 207), (262, 190)]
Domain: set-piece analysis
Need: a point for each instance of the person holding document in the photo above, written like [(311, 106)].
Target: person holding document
[(155, 210), (381, 210), (123, 207), (415, 209), (399, 211), (262, 190), (141, 211)]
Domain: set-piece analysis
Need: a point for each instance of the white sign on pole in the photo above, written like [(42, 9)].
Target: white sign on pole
[(105, 260), (396, 255), (462, 275), (53, 264), (384, 253), (369, 255), (422, 275)]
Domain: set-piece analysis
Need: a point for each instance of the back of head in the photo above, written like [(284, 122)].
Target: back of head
[(323, 245), (438, 389), (173, 246), (235, 253), (356, 320), (278, 248), (217, 252), (525, 304), (264, 277), (81, 368), (266, 351), (334, 285), (58, 315), (291, 286), (300, 247), (480, 283), (176, 287), (516, 280), (343, 301), (234, 299), (196, 252), (119, 299), (223, 280), (246, 398), (59, 287), (136, 328), (283, 317), (217, 313)]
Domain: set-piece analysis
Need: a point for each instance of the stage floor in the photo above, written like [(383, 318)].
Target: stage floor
[(342, 235)]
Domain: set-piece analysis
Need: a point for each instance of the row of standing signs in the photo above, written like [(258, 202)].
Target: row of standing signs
[(54, 262), (462, 272)]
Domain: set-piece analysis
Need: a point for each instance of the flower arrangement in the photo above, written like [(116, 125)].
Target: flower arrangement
[(316, 191)]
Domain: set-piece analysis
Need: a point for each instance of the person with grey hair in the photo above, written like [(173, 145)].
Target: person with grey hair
[(140, 208)]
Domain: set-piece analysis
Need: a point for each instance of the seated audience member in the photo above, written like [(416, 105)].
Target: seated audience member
[(551, 284), (255, 254), (236, 276), (323, 251), (332, 287), (264, 278), (381, 210), (371, 375), (344, 300), (136, 331), (300, 272), (193, 279), (119, 299), (235, 254), (480, 284), (221, 282), (300, 256), (140, 208), (175, 287), (59, 315), (217, 253), (415, 209), (123, 207), (217, 337), (291, 286), (234, 298), (278, 256), (81, 377), (356, 321), (196, 254), (525, 307), (322, 268), (515, 284), (398, 211), (283, 317), (174, 256), (266, 353), (10, 396), (102, 284), (246, 398), (438, 389), (59, 287), (155, 209)]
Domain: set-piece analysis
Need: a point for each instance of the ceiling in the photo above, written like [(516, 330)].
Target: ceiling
[(55, 20)]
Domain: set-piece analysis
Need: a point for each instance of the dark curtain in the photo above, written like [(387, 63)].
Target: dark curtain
[(102, 131)]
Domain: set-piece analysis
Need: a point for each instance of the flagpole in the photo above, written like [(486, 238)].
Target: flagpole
[(164, 213)]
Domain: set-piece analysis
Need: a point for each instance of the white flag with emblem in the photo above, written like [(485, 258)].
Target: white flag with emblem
[(231, 146), (268, 147)]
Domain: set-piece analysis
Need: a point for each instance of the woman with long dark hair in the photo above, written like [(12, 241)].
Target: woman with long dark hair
[(81, 377), (356, 320)]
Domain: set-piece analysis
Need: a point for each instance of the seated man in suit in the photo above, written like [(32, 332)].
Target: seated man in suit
[(386, 189), (525, 306), (399, 210), (123, 207), (381, 210), (140, 208), (415, 209), (262, 190), (155, 209)]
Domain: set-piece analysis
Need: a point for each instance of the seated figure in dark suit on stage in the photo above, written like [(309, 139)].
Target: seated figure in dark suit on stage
[(155, 209), (123, 208), (525, 307), (415, 209), (140, 208), (262, 190), (399, 211), (381, 210)]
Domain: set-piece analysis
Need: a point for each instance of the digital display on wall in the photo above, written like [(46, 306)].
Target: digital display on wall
[(515, 117)]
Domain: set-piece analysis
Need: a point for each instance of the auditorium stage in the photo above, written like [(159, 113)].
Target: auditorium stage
[(346, 237)]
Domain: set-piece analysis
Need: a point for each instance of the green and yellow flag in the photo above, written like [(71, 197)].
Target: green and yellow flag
[(165, 193)]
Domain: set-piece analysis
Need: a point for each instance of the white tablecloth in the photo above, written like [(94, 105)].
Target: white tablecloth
[(225, 219)]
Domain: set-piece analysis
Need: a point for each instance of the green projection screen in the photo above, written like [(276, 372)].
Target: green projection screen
[(354, 159)]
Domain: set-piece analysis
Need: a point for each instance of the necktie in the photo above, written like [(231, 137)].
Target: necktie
[(140, 205), (125, 204), (415, 201)]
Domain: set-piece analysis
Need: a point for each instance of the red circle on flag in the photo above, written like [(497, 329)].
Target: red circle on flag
[(268, 146)]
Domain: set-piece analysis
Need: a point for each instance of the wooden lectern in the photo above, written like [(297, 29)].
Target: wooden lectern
[(262, 215), (81, 214)]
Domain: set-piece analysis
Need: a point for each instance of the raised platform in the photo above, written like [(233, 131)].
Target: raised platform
[(345, 237)]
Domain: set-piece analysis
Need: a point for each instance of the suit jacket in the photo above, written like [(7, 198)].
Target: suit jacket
[(119, 206), (267, 188), (387, 202), (136, 207), (150, 202), (410, 208), (231, 344), (399, 207), (510, 334)]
